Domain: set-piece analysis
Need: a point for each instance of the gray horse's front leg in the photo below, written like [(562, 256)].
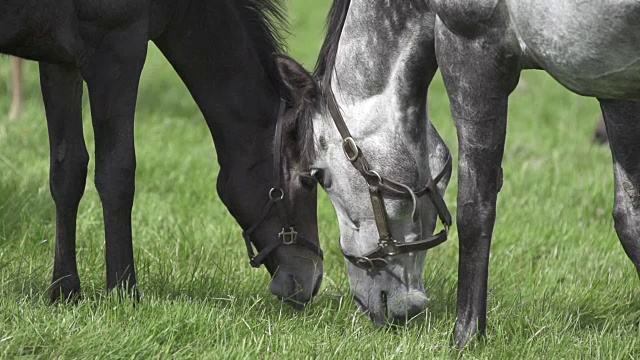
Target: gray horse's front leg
[(623, 128), (479, 74)]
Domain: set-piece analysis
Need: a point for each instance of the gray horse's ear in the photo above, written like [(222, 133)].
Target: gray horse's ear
[(303, 89)]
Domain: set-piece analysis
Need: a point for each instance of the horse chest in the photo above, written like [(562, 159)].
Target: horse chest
[(469, 17)]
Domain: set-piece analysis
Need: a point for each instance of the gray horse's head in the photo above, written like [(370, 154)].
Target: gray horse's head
[(399, 151), (377, 59)]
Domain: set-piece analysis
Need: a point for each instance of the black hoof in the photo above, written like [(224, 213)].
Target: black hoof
[(125, 292), (65, 289)]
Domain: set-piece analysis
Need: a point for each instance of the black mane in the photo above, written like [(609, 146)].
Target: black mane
[(329, 50), (267, 23)]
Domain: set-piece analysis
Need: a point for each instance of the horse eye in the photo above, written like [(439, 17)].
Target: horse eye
[(307, 181)]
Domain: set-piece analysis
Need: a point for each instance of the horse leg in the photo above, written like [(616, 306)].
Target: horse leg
[(16, 83), (62, 95), (622, 120), (479, 75), (112, 77)]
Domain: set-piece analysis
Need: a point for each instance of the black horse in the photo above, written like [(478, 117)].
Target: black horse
[(224, 51)]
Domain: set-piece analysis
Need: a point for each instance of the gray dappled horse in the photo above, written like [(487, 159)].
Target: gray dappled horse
[(592, 47), (369, 60), (224, 52), (385, 60)]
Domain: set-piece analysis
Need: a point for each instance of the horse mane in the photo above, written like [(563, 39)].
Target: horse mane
[(267, 24), (328, 52)]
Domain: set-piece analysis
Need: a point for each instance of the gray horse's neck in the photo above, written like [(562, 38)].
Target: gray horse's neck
[(384, 44)]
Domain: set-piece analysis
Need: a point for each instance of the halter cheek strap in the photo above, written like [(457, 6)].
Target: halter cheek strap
[(387, 245), (288, 234)]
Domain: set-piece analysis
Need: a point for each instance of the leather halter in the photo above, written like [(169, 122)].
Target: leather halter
[(387, 245), (288, 235)]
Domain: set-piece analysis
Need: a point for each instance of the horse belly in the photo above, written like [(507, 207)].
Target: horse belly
[(591, 47)]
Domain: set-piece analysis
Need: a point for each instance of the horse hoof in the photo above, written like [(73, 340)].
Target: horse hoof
[(65, 291), (125, 293), (465, 336)]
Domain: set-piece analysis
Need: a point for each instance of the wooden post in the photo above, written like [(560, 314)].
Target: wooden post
[(17, 82)]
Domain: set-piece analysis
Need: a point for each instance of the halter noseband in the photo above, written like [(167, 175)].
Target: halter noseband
[(387, 245), (288, 235)]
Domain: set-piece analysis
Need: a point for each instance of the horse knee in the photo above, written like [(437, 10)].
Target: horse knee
[(626, 216), (116, 184), (68, 175)]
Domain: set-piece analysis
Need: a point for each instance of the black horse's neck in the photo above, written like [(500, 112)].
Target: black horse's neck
[(223, 51), (235, 83)]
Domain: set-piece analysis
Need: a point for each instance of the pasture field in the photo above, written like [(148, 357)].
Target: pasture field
[(560, 287)]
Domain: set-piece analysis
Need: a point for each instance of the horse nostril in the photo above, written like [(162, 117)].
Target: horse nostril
[(384, 304)]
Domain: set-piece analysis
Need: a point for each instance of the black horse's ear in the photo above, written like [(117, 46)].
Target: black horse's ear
[(302, 88), (303, 96)]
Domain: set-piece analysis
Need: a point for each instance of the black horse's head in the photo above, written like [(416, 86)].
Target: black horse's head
[(268, 190)]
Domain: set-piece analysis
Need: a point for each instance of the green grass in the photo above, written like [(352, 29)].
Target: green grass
[(561, 285)]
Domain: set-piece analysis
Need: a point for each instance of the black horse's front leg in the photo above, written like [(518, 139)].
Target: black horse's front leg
[(62, 95), (479, 75), (112, 76)]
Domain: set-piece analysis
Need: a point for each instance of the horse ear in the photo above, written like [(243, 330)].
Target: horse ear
[(303, 90), (303, 95)]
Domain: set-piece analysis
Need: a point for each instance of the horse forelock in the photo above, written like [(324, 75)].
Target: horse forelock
[(305, 133)]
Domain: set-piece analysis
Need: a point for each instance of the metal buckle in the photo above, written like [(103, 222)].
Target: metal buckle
[(288, 237), (273, 194), (389, 245), (351, 150)]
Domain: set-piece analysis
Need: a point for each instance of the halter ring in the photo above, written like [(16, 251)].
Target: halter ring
[(276, 194), (378, 177)]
